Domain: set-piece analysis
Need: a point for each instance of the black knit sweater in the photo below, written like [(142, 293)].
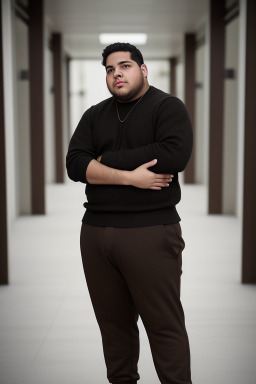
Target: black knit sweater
[(159, 128)]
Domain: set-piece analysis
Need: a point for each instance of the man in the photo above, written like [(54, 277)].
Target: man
[(131, 240)]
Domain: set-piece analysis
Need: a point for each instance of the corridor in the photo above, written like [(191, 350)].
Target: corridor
[(51, 73), (48, 331)]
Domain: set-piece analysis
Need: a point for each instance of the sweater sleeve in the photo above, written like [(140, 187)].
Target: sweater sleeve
[(172, 147), (81, 149)]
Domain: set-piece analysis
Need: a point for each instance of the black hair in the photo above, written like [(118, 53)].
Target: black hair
[(125, 47)]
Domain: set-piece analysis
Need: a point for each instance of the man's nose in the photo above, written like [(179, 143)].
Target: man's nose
[(117, 72)]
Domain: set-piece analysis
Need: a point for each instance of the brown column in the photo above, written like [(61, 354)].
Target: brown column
[(36, 71), (3, 199), (57, 76), (173, 63), (190, 44), (217, 51), (249, 202)]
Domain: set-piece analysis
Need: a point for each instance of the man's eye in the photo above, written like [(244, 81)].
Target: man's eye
[(109, 70), (125, 66)]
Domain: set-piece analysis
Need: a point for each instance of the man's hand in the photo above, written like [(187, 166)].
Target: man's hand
[(99, 158), (141, 177)]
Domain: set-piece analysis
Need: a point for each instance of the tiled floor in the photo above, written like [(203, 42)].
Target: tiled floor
[(48, 331)]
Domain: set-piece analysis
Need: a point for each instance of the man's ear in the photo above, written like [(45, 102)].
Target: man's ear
[(144, 70)]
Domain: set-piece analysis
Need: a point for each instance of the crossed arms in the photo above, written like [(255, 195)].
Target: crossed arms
[(172, 149), (141, 177)]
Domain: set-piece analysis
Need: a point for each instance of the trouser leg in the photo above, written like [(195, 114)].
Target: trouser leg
[(131, 271), (113, 306), (149, 259)]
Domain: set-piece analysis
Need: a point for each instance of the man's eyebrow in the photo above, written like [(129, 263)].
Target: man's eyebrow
[(120, 62)]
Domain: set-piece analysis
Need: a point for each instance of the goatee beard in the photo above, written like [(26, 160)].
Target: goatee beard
[(130, 95)]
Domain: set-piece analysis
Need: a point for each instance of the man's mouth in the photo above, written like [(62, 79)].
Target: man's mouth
[(119, 83)]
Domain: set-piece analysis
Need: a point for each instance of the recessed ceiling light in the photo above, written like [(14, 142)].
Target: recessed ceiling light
[(133, 38)]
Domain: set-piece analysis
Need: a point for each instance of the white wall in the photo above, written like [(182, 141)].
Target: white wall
[(65, 115), (87, 87), (23, 118), (206, 143), (201, 139), (9, 111), (49, 147), (180, 74), (199, 115), (159, 74), (241, 106), (49, 104), (230, 121), (180, 85)]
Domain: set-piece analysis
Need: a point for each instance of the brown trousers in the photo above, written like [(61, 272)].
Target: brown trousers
[(132, 272)]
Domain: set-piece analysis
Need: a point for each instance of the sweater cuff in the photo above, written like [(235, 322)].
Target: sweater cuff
[(80, 168)]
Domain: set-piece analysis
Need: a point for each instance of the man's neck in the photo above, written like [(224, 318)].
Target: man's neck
[(140, 94)]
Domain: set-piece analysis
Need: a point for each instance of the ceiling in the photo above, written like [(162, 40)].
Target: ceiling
[(165, 22)]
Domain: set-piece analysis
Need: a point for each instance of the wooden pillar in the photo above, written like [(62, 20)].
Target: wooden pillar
[(217, 57), (190, 45), (173, 64), (36, 76), (3, 197), (249, 202), (57, 76)]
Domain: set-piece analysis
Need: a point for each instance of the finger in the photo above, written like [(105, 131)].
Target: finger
[(158, 176), (166, 181), (156, 188)]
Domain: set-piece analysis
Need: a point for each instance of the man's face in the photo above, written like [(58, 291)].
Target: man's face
[(125, 79)]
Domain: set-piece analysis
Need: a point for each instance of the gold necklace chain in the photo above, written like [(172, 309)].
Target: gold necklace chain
[(121, 121)]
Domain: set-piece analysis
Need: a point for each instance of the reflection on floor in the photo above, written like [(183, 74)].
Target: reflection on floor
[(48, 331)]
